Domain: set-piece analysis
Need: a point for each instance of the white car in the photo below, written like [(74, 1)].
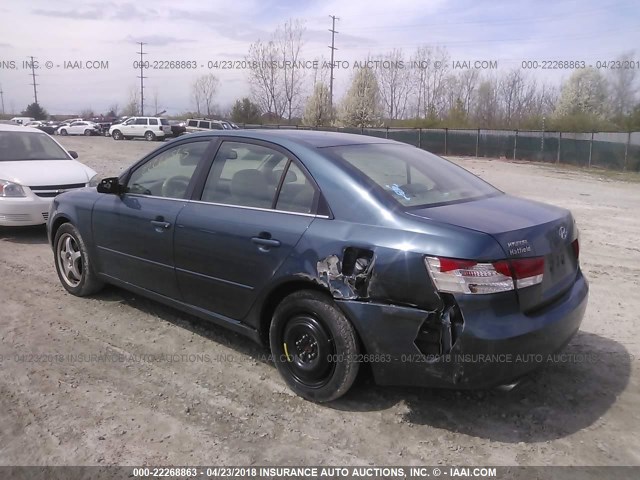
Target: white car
[(34, 168), (21, 120), (150, 128), (80, 128)]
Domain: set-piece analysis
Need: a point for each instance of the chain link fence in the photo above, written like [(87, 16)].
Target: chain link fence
[(610, 150)]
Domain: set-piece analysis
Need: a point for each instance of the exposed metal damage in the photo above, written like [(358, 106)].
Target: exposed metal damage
[(350, 278)]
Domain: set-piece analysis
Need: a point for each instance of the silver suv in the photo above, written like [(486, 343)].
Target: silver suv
[(150, 128), (204, 124)]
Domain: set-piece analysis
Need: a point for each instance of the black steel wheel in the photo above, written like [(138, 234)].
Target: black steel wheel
[(314, 346)]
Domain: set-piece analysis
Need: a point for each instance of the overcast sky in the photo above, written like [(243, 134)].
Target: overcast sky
[(506, 31)]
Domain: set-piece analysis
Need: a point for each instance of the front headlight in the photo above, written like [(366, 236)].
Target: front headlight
[(95, 180), (10, 189)]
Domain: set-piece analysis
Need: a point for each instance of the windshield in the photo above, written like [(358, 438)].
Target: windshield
[(29, 146), (413, 177)]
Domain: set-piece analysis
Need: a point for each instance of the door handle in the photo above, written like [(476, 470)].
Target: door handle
[(265, 242), (160, 224)]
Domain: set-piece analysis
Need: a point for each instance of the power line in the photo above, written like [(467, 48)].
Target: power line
[(333, 48), (33, 75), (141, 77)]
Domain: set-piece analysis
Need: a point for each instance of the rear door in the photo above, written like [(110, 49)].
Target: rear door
[(231, 242), (134, 231)]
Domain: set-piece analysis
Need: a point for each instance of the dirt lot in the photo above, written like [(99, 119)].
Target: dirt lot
[(223, 405)]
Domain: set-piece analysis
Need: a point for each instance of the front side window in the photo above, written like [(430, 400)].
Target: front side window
[(168, 174), (411, 176), (29, 146)]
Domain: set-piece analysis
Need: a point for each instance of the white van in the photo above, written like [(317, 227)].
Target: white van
[(21, 120)]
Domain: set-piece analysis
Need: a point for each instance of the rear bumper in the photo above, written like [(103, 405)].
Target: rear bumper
[(498, 343), (23, 211)]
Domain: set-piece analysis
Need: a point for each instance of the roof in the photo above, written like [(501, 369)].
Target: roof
[(311, 138), (7, 127)]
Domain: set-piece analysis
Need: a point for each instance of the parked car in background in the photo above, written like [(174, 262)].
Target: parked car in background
[(334, 249), (80, 128), (45, 127), (34, 168), (202, 125), (178, 127), (149, 128), (21, 120)]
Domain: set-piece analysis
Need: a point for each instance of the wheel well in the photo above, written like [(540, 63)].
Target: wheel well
[(56, 225), (149, 131), (275, 297)]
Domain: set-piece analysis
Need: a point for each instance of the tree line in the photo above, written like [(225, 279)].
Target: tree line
[(433, 95)]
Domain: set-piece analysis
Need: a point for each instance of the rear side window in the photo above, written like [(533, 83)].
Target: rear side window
[(242, 174), (204, 124), (297, 193), (153, 121), (164, 121)]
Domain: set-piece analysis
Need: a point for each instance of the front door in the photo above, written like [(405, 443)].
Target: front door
[(134, 231)]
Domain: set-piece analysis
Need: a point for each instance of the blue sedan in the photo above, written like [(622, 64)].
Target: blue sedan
[(334, 250)]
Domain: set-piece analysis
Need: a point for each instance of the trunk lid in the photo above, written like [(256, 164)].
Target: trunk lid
[(524, 229)]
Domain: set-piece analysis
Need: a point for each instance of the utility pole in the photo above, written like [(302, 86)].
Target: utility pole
[(332, 47), (141, 77), (33, 75), (2, 99)]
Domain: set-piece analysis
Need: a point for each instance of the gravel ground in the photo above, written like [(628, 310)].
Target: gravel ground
[(224, 405)]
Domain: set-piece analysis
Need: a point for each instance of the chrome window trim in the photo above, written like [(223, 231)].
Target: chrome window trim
[(286, 212)]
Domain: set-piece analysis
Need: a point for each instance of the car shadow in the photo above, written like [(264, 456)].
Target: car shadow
[(203, 328), (558, 400), (32, 235)]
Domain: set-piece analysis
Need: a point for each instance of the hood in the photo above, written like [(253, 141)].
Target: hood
[(45, 172)]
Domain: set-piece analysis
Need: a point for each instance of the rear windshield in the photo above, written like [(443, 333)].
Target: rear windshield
[(413, 177), (29, 146)]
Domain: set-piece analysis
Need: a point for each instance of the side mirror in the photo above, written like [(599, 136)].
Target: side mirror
[(73, 154), (109, 185)]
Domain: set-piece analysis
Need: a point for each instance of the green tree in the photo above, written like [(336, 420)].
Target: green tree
[(36, 111), (245, 111)]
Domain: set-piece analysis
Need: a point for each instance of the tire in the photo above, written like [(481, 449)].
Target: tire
[(63, 132), (87, 133), (150, 136), (73, 265), (314, 346), (117, 135)]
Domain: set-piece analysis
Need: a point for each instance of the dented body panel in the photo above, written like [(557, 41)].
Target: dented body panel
[(367, 253)]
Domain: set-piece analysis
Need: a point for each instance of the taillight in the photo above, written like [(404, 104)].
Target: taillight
[(576, 248), (468, 276)]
